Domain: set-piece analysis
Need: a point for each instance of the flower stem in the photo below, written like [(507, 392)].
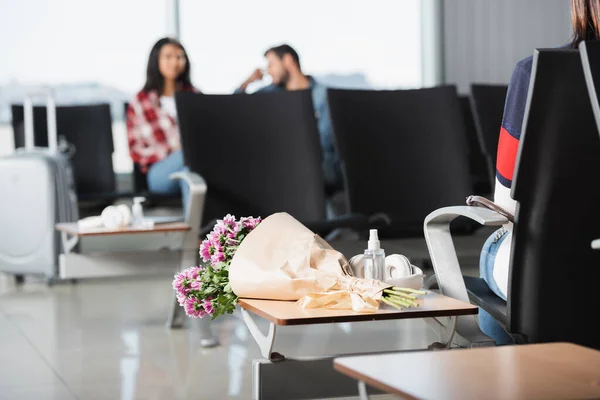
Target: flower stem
[(404, 302), (389, 303), (399, 294), (408, 290)]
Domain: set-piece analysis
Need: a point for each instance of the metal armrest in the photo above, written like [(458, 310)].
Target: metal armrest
[(195, 206), (445, 261), (441, 248)]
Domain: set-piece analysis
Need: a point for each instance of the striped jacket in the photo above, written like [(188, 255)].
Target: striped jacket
[(508, 145), (510, 133)]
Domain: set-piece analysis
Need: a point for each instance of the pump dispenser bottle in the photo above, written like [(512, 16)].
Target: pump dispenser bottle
[(374, 258), (138, 212)]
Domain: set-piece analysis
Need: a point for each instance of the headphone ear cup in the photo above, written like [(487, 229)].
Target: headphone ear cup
[(126, 214), (112, 217), (398, 266), (357, 264), (407, 264)]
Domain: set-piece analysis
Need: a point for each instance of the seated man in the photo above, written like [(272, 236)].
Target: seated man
[(284, 68)]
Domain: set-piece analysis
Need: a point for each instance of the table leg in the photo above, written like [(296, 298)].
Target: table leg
[(207, 339), (265, 342), (445, 331), (362, 391), (176, 314)]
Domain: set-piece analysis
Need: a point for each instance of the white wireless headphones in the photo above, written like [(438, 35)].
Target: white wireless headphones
[(114, 217), (396, 266)]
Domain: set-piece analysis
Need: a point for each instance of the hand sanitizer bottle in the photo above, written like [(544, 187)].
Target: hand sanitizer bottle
[(374, 258), (138, 212)]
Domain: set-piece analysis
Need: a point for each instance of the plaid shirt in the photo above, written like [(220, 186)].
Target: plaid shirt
[(152, 133)]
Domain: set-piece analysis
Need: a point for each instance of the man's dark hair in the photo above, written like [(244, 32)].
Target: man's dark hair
[(284, 49)]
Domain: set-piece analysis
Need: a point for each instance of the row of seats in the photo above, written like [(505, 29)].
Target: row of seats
[(399, 137), (404, 153)]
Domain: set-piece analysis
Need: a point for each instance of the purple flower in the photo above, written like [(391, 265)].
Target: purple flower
[(218, 257), (208, 306), (218, 237), (219, 229), (181, 299), (193, 272), (193, 308), (250, 223), (205, 250), (181, 283), (196, 285), (229, 220), (209, 249)]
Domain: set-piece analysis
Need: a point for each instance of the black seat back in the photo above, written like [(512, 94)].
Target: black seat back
[(404, 152), (590, 57), (554, 273), (259, 153), (488, 108), (140, 183), (478, 164), (89, 129)]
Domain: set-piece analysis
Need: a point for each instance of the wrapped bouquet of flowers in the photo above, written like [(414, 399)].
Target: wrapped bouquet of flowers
[(277, 259)]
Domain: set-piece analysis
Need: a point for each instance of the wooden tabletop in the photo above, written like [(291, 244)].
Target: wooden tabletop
[(536, 371), (290, 313), (73, 229)]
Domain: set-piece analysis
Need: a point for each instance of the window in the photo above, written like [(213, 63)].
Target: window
[(85, 50), (344, 42)]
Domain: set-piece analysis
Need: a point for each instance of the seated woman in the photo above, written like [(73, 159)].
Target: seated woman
[(495, 256), (153, 132)]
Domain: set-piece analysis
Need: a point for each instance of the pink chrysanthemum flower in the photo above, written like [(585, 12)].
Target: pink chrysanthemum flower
[(205, 250), (218, 257), (193, 308), (229, 220), (181, 283), (250, 222), (193, 273), (208, 307), (196, 285)]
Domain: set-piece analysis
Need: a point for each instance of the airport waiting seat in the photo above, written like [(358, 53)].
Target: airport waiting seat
[(259, 155), (553, 269), (488, 108), (478, 165), (87, 132), (405, 153)]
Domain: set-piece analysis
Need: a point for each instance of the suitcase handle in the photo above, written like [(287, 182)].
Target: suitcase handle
[(50, 120)]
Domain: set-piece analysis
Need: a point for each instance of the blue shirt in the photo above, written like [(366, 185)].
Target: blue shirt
[(331, 162)]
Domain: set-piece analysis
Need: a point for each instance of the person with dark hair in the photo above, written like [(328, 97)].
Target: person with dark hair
[(495, 256), (284, 68), (152, 128)]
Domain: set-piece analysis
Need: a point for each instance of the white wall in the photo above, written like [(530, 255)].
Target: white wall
[(484, 39)]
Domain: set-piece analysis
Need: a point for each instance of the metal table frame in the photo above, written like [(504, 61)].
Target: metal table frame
[(143, 253), (276, 376)]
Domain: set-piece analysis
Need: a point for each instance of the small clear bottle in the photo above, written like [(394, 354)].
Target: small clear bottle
[(374, 258), (138, 212)]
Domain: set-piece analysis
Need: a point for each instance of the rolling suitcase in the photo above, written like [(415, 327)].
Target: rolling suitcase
[(36, 192)]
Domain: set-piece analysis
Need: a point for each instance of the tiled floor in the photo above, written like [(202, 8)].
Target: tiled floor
[(107, 340)]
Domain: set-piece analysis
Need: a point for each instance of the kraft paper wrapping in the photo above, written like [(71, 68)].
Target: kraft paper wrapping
[(281, 259)]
